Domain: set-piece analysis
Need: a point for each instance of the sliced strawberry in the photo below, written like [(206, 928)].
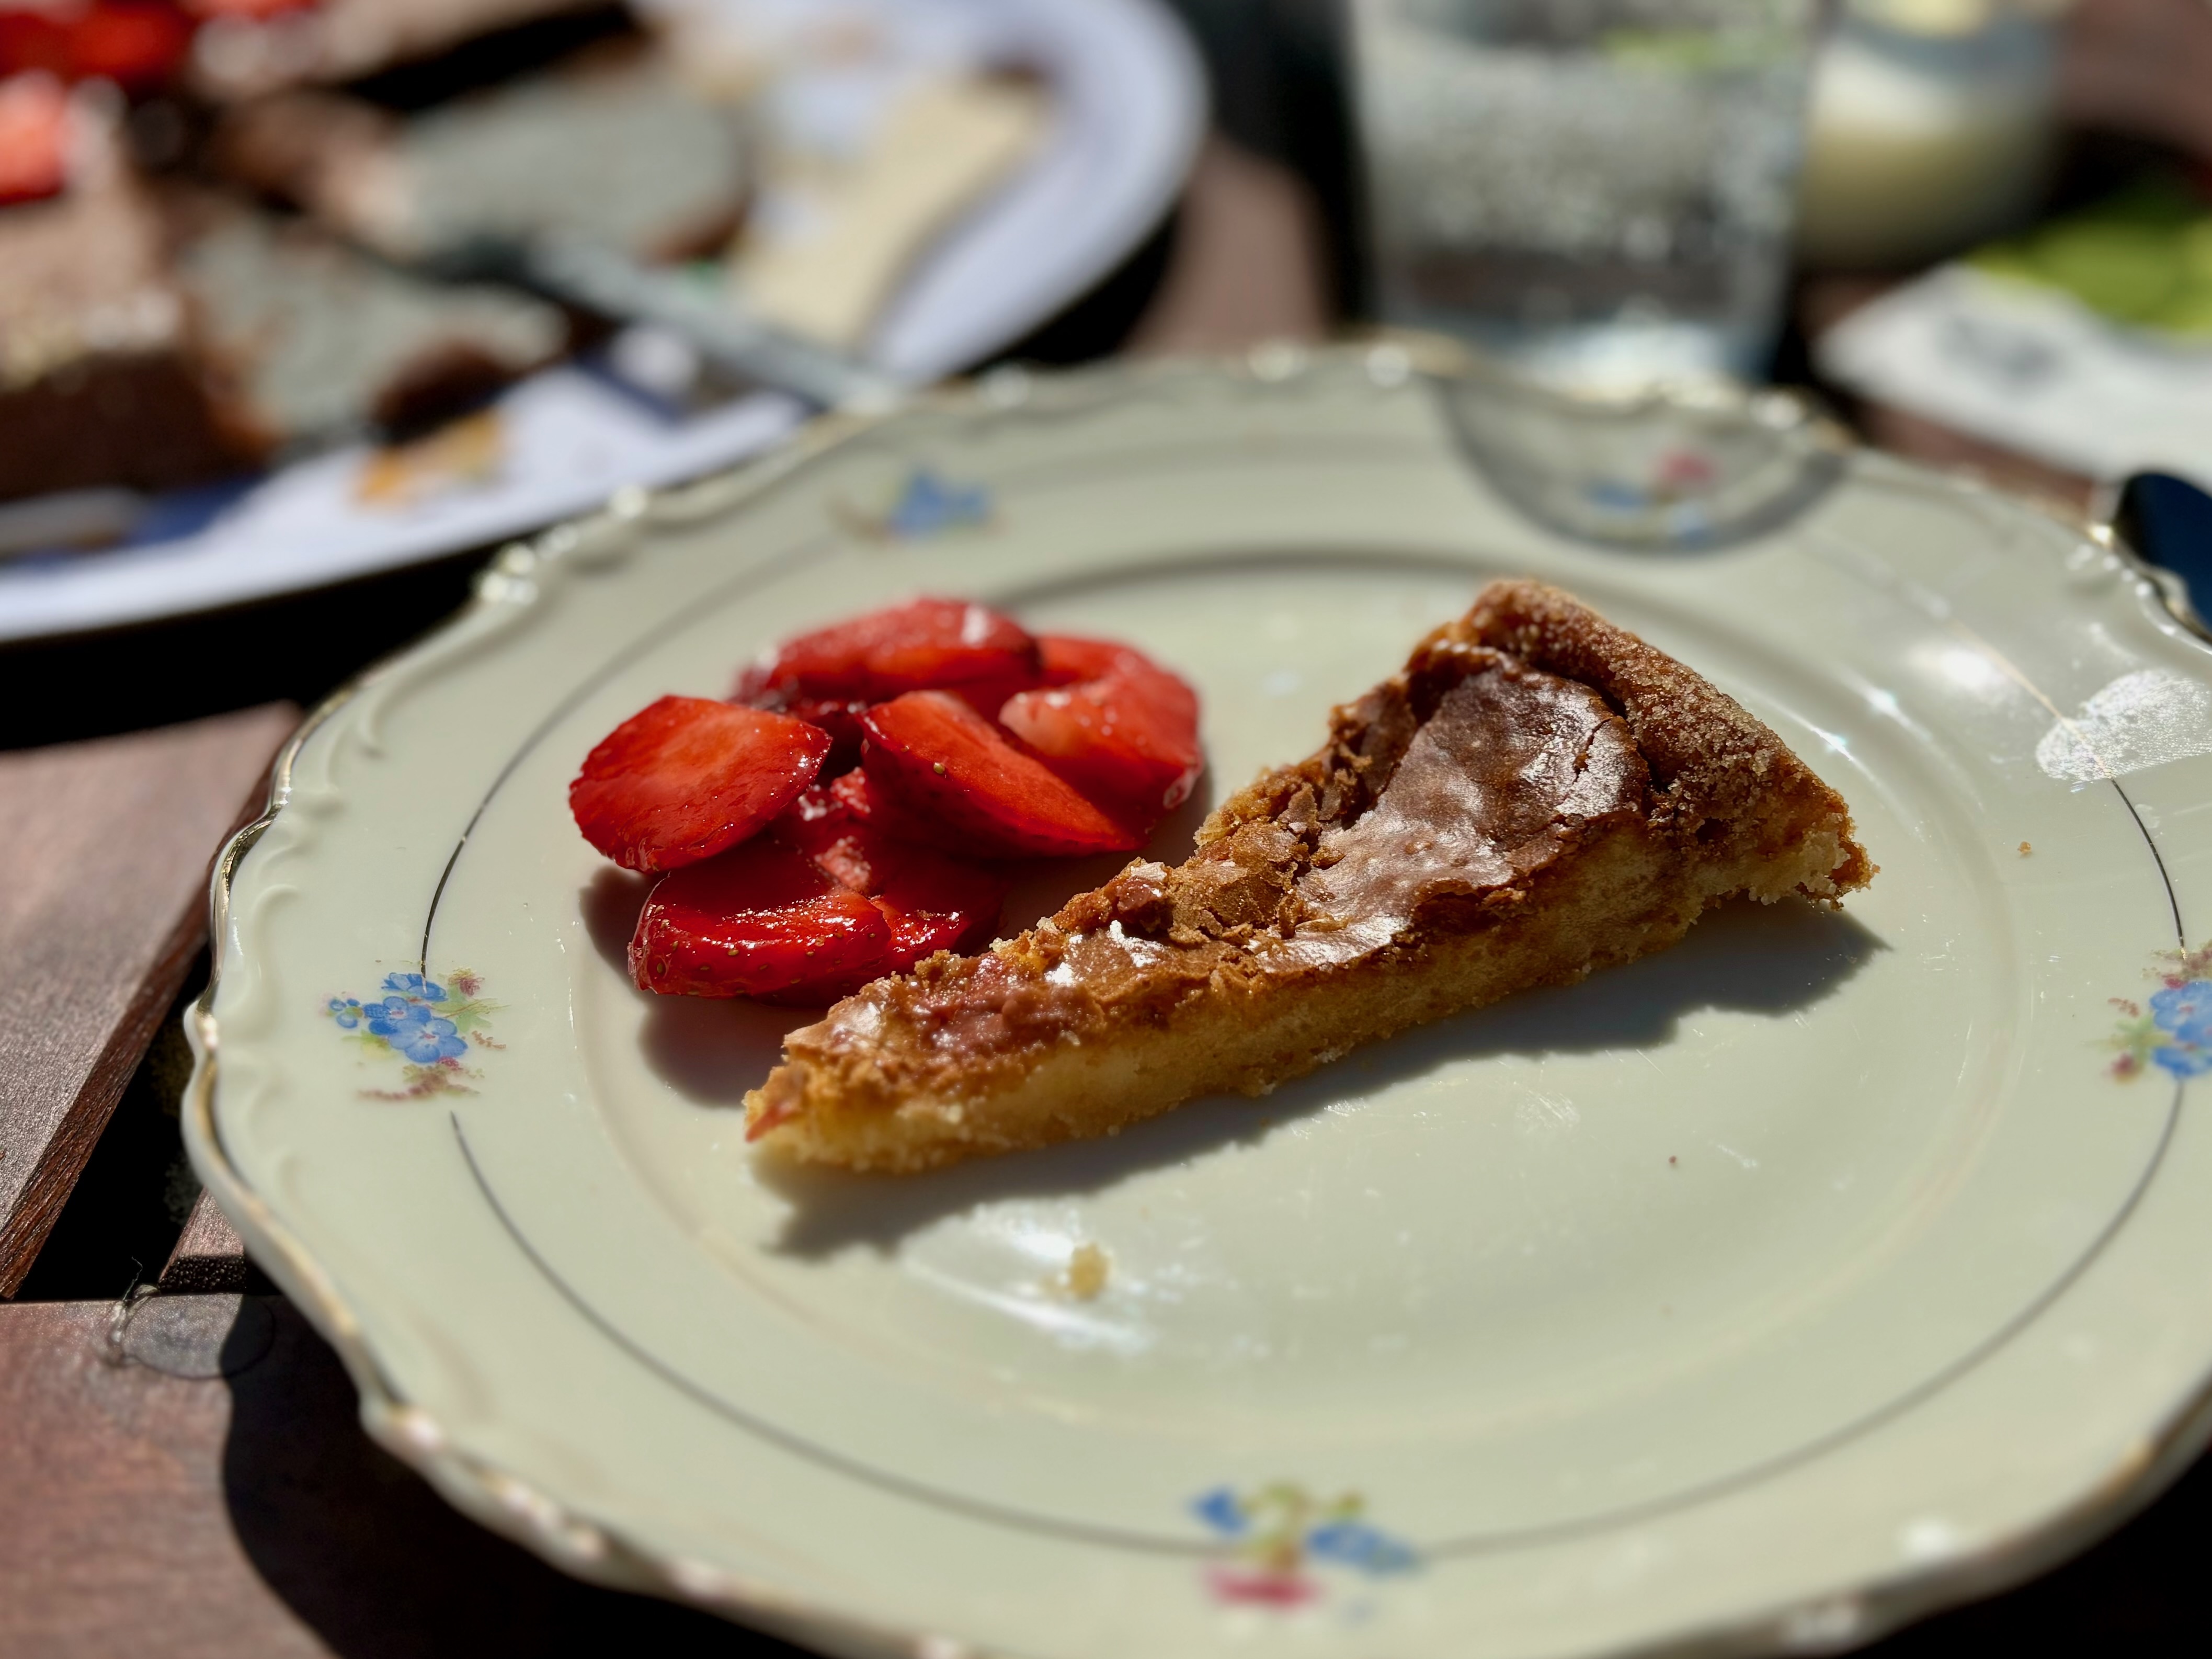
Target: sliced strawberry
[(957, 781), (35, 133), (136, 44), (1126, 733), (858, 796), (987, 697), (252, 10), (823, 824), (925, 644), (752, 687), (33, 40), (841, 718), (935, 903), (932, 903), (1064, 658), (757, 920), (687, 777), (870, 803)]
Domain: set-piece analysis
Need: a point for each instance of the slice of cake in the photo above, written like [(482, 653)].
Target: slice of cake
[(307, 340), (101, 381), (247, 50), (615, 147), (1538, 793), (157, 335)]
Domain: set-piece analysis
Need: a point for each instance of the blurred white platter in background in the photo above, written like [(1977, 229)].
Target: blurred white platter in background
[(1127, 104)]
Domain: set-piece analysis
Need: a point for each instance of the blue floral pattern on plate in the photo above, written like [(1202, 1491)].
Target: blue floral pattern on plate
[(429, 1025), (926, 505), (1274, 1534), (2175, 1032)]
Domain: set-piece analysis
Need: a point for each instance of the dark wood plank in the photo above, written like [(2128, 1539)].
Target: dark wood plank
[(247, 1514), (1825, 302), (1901, 432), (114, 1521), (210, 1255), (102, 910)]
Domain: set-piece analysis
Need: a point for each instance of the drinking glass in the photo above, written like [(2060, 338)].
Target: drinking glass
[(1598, 191)]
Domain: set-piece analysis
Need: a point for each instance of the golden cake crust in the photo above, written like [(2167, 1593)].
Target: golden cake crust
[(1537, 795)]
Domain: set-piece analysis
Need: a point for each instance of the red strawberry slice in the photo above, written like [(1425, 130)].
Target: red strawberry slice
[(33, 40), (932, 903), (823, 824), (931, 899), (136, 44), (955, 781), (34, 138), (935, 903), (1126, 733), (1064, 658), (925, 644), (925, 915), (838, 716), (757, 920), (871, 803), (687, 777), (987, 697), (856, 795), (254, 10)]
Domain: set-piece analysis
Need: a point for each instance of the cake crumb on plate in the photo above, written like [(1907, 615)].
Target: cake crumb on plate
[(1088, 1268)]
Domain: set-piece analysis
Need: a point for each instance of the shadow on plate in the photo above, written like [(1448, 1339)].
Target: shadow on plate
[(709, 1050), (1774, 960)]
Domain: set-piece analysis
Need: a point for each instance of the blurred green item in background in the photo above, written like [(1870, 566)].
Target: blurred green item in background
[(2142, 257)]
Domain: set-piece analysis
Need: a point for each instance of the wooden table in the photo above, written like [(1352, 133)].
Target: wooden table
[(181, 1471)]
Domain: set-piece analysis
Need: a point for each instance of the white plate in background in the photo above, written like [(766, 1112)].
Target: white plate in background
[(1128, 107)]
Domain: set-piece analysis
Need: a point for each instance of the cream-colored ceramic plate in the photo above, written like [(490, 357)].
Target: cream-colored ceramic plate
[(1766, 1292)]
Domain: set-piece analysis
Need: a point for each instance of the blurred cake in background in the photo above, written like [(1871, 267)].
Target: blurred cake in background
[(246, 48), (102, 381), (304, 338), (172, 326), (611, 146), (235, 232)]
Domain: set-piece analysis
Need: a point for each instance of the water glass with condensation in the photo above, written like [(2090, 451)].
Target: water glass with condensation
[(1600, 191)]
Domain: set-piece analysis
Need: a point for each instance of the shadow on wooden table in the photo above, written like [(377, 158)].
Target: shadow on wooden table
[(376, 1562)]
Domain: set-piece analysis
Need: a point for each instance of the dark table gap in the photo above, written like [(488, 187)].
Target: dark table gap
[(298, 648), (125, 1214), (2137, 1592), (1097, 326)]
